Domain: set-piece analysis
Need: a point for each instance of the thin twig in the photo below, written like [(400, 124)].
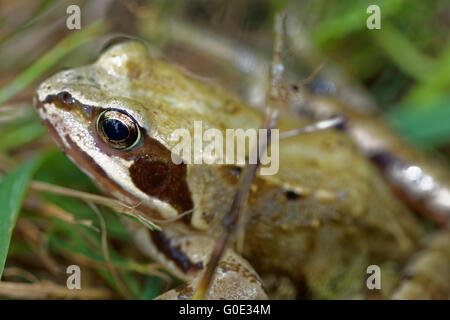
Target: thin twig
[(311, 77), (130, 265), (104, 238), (45, 290), (51, 210), (273, 104), (333, 122), (37, 240), (18, 272), (105, 201)]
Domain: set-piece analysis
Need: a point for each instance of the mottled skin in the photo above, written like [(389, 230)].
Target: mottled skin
[(317, 224)]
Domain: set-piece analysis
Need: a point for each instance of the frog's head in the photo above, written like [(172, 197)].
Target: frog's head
[(104, 118)]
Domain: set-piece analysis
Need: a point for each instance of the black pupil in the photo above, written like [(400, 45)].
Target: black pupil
[(115, 129)]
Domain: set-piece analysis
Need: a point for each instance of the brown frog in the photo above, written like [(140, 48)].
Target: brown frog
[(312, 229)]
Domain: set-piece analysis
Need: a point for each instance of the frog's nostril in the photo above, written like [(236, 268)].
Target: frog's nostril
[(65, 97)]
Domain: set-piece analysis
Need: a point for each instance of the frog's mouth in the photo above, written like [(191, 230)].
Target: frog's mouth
[(144, 177)]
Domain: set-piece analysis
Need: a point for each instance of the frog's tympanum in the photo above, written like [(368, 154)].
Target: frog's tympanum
[(312, 230)]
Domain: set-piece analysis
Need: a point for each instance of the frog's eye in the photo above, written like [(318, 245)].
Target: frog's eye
[(118, 129)]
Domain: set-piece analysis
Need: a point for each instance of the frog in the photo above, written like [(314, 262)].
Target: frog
[(311, 230)]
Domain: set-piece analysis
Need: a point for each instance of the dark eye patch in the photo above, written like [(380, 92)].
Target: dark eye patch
[(291, 195)]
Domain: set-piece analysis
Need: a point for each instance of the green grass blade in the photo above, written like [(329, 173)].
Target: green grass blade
[(12, 192), (50, 59), (22, 135), (39, 13), (403, 52)]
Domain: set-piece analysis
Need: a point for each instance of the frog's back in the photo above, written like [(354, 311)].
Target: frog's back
[(323, 165), (163, 98), (325, 206)]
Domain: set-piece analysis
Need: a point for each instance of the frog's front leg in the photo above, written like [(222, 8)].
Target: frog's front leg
[(185, 257)]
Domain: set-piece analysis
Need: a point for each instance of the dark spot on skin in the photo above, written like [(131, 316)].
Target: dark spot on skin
[(383, 160), (228, 266), (151, 176), (291, 195), (236, 171), (207, 217), (231, 174), (175, 254), (343, 126), (154, 173), (225, 268), (93, 81)]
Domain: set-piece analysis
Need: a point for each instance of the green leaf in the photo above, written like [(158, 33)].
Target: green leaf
[(437, 81), (152, 288), (425, 123), (346, 19), (12, 192)]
